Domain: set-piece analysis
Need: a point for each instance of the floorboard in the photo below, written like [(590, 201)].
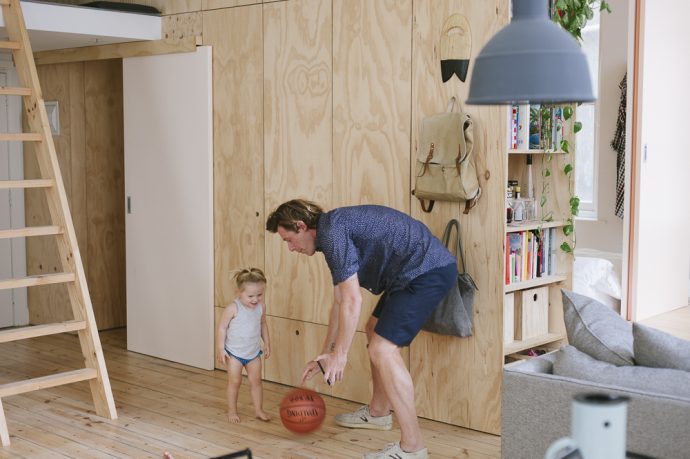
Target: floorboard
[(165, 406)]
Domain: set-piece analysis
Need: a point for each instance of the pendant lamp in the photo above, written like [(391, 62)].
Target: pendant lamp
[(531, 60)]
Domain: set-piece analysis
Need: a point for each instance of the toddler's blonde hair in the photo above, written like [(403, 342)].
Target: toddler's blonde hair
[(244, 276)]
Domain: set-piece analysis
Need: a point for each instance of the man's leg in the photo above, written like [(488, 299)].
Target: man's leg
[(396, 382), (379, 405)]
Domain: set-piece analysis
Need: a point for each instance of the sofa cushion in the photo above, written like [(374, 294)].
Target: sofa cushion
[(572, 363), (654, 348), (597, 330)]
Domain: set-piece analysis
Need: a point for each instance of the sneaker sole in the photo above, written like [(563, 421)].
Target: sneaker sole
[(362, 425)]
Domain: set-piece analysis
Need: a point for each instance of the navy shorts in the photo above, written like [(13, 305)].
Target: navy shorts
[(402, 313)]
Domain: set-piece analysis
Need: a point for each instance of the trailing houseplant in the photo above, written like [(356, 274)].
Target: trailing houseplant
[(572, 15)]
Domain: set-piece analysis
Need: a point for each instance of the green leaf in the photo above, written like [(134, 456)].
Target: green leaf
[(574, 201), (547, 172), (542, 201), (565, 146), (568, 229), (568, 169), (567, 112), (577, 126), (566, 248)]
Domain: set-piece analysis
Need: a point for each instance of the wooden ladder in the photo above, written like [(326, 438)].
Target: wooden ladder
[(62, 228)]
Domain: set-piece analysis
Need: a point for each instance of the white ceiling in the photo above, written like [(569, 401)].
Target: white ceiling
[(58, 26)]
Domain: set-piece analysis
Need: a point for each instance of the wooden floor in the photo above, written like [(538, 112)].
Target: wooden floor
[(676, 322), (163, 406)]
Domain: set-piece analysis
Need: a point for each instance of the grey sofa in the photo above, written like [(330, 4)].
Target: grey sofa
[(606, 354), (536, 411)]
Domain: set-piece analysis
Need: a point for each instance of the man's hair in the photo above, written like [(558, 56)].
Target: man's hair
[(289, 213), (244, 276)]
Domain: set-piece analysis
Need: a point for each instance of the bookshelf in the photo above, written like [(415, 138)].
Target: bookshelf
[(532, 283), (533, 308), (534, 152)]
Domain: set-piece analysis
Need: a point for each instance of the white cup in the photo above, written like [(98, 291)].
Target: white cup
[(598, 428)]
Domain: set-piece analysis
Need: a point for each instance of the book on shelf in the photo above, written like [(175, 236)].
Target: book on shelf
[(533, 127), (514, 127), (530, 254), (535, 124), (523, 118)]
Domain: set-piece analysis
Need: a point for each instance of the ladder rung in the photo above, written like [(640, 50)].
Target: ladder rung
[(5, 2), (30, 231), (21, 136), (36, 183), (10, 91), (33, 331), (41, 279), (4, 44), (44, 382)]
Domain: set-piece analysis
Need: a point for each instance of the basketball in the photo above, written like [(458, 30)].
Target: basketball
[(302, 411)]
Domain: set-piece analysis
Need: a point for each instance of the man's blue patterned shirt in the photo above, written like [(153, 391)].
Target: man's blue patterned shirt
[(385, 247)]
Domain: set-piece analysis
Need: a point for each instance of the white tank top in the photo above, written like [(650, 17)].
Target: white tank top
[(243, 337)]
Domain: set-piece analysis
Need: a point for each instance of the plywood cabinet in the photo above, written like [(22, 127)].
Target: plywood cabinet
[(323, 100)]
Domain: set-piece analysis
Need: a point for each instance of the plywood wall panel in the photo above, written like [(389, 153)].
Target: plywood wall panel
[(470, 367), (51, 303), (179, 26), (72, 127), (235, 35), (106, 196), (298, 147), (371, 106), (215, 4), (164, 6), (94, 184)]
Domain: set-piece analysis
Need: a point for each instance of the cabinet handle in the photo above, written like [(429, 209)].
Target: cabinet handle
[(129, 204)]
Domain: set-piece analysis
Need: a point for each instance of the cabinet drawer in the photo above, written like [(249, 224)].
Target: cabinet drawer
[(531, 313)]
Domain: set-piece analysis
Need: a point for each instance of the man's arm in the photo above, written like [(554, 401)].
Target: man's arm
[(345, 312)]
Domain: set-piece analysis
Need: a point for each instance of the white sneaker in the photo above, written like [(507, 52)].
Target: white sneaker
[(362, 419), (393, 451)]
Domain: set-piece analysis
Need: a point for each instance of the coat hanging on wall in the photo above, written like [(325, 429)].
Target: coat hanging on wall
[(455, 47)]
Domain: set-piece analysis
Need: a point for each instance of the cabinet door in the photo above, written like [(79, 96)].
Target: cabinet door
[(169, 218), (294, 343)]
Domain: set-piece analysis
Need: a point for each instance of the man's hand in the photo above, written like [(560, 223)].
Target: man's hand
[(310, 369), (333, 365)]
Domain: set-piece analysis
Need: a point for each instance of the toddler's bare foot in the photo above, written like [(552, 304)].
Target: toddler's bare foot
[(167, 455), (263, 416), (233, 418)]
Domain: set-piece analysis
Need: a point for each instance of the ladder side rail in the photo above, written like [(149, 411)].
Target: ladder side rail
[(68, 247)]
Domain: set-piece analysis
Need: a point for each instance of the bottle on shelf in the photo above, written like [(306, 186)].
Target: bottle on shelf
[(518, 206)]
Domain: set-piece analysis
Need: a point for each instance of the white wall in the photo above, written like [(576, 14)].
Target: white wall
[(606, 233)]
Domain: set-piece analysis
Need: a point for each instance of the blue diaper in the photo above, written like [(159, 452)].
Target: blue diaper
[(244, 362)]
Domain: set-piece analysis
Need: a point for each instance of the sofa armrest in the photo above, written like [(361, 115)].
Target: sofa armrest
[(536, 411)]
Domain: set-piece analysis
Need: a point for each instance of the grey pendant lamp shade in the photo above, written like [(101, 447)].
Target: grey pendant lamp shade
[(532, 60)]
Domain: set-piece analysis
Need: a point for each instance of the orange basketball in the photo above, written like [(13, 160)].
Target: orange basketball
[(302, 411)]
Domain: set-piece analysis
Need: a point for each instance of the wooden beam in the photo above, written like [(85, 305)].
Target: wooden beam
[(36, 183), (44, 382), (14, 334), (30, 231), (116, 51)]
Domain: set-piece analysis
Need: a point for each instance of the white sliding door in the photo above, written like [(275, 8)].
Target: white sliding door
[(660, 207), (169, 216)]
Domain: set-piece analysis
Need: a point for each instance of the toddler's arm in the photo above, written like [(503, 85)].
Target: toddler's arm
[(228, 314), (264, 334)]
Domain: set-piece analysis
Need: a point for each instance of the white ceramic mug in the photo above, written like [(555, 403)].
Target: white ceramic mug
[(598, 428)]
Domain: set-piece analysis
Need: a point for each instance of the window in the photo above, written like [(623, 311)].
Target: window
[(586, 147)]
